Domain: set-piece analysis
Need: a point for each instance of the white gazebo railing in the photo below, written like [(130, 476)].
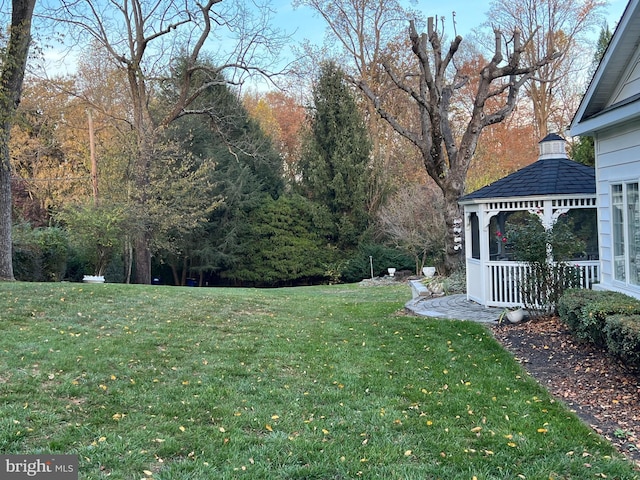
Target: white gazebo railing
[(505, 278)]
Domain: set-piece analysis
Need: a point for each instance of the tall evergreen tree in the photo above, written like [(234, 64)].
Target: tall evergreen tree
[(247, 168), (583, 151), (601, 46), (283, 244), (333, 169)]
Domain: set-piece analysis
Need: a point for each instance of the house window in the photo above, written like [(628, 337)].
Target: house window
[(625, 204)]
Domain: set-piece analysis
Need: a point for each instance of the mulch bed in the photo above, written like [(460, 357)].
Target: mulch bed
[(599, 389)]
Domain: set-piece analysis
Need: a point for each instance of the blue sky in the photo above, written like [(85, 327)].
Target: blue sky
[(469, 15), (304, 24)]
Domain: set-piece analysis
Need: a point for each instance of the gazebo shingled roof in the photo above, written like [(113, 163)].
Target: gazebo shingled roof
[(550, 176)]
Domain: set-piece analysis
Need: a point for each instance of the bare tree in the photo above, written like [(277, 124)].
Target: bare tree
[(431, 87), (411, 221), (14, 59), (554, 25), (153, 41), (363, 28)]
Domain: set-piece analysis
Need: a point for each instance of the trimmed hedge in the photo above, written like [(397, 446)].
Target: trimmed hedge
[(573, 301), (623, 338), (596, 314), (607, 319)]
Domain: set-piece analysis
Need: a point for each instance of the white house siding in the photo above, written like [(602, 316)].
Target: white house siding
[(631, 85), (618, 160)]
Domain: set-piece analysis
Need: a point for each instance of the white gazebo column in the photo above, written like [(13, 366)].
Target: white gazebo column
[(487, 267), (485, 254), (547, 216), (478, 269), (474, 266)]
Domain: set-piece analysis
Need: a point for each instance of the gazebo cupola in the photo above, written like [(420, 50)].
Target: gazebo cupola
[(552, 146), (551, 186)]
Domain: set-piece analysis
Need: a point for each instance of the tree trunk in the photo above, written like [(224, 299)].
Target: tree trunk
[(142, 258), (142, 238), (6, 265), (13, 65), (454, 232), (128, 259), (92, 156), (174, 272), (183, 280)]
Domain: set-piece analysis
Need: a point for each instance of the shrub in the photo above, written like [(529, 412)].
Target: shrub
[(572, 302), (54, 248), (39, 254), (281, 245), (27, 260), (545, 283), (585, 312), (530, 243), (96, 231), (595, 313), (622, 334)]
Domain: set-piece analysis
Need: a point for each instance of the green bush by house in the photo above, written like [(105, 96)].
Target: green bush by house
[(571, 304), (622, 334), (609, 320)]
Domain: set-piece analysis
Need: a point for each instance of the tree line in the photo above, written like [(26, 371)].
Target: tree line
[(152, 161)]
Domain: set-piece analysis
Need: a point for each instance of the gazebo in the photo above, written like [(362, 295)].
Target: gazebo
[(550, 187)]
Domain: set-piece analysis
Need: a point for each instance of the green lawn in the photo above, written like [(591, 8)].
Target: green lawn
[(305, 383)]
